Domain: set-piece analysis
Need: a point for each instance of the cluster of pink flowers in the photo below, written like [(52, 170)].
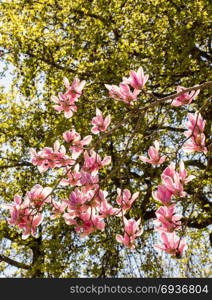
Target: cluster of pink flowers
[(195, 127), (49, 158), (66, 102), (27, 213), (167, 221), (172, 184), (76, 143), (155, 158), (137, 80), (131, 227), (185, 98), (87, 206)]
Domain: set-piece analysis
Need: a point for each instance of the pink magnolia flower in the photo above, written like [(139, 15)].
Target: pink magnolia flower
[(131, 227), (171, 245), (77, 146), (137, 79), (195, 124), (70, 217), (77, 200), (88, 179), (30, 227), (57, 209), (73, 177), (195, 144), (92, 192), (155, 158), (185, 98), (183, 174), (100, 124), (81, 199), (71, 136), (126, 240), (102, 195), (58, 155), (195, 135), (91, 223), (75, 88), (132, 231), (169, 171), (122, 93), (64, 104), (39, 159), (23, 216), (93, 162), (125, 199), (167, 221), (39, 195), (51, 158), (174, 185), (163, 195), (18, 211), (172, 181), (106, 210)]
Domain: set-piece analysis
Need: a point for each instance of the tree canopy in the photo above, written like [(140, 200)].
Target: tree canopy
[(100, 42)]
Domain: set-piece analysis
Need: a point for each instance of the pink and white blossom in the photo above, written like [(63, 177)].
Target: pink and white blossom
[(93, 162), (195, 135), (167, 220), (107, 210), (91, 223), (131, 231), (75, 89), (125, 199), (137, 79), (171, 244), (58, 209), (24, 216), (163, 195), (39, 195), (77, 146), (154, 156), (64, 104), (183, 174), (195, 123), (185, 98), (123, 93), (99, 123), (51, 157), (74, 177), (195, 144)]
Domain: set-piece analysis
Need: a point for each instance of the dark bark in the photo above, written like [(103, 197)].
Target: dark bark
[(14, 263)]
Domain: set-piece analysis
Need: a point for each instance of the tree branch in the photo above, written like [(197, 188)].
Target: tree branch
[(16, 165), (92, 15), (14, 263), (173, 96), (193, 223)]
